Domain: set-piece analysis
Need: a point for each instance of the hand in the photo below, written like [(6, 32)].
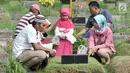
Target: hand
[(56, 43), (52, 53), (91, 52), (62, 36)]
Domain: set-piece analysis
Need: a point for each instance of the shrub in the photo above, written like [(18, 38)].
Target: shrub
[(79, 42), (47, 2)]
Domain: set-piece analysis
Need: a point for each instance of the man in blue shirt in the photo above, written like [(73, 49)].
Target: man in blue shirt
[(95, 10)]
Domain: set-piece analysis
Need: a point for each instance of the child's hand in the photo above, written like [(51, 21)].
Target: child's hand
[(56, 43), (62, 36)]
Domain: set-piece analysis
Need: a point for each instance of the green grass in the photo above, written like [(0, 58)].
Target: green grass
[(6, 22), (12, 66), (122, 47), (55, 66), (119, 64)]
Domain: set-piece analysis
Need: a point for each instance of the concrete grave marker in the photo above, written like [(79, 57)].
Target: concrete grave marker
[(29, 3)]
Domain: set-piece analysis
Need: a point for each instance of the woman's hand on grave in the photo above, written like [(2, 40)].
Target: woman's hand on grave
[(91, 52)]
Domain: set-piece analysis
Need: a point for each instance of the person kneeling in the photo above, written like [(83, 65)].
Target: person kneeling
[(26, 47), (100, 42)]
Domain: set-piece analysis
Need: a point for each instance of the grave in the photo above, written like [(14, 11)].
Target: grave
[(55, 66), (3, 42), (16, 16), (121, 64), (5, 36), (118, 36), (29, 3), (53, 20), (6, 33)]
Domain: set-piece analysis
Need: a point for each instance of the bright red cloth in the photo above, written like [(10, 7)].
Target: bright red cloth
[(65, 47)]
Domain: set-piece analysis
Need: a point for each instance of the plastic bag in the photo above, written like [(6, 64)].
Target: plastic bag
[(82, 50)]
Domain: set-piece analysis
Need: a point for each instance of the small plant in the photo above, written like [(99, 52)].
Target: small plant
[(79, 42), (13, 66)]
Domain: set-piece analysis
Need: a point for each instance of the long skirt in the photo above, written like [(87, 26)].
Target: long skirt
[(65, 47)]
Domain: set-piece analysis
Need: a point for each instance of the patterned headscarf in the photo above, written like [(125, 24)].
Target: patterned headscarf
[(101, 21)]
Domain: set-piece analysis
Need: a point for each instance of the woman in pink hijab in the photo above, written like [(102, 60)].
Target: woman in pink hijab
[(64, 33)]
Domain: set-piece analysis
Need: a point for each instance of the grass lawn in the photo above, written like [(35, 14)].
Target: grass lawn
[(55, 66)]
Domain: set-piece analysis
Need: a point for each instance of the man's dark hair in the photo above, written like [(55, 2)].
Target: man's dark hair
[(33, 10), (38, 19), (33, 23), (94, 3)]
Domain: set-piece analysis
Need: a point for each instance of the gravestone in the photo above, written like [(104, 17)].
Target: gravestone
[(79, 9), (121, 26), (6, 33), (116, 17), (29, 3), (3, 42), (118, 36), (125, 33), (4, 36), (16, 16), (110, 1), (53, 20)]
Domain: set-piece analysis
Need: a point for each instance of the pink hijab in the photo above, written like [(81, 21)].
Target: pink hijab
[(64, 23)]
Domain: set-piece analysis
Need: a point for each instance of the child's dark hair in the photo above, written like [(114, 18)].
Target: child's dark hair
[(94, 3)]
